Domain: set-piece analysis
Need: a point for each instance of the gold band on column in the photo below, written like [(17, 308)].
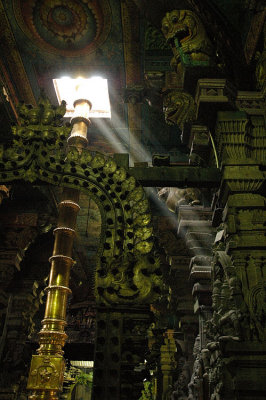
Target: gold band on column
[(47, 368)]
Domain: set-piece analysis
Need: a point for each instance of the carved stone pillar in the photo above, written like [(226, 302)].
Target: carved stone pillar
[(241, 148), (237, 327), (196, 226)]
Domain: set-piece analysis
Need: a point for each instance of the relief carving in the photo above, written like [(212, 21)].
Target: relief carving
[(179, 108), (188, 39), (230, 320)]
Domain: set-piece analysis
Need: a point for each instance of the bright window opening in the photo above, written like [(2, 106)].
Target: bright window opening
[(94, 89)]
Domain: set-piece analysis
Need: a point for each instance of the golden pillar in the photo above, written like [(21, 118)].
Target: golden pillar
[(47, 368)]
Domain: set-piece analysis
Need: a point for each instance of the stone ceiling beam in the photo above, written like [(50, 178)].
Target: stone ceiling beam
[(177, 176)]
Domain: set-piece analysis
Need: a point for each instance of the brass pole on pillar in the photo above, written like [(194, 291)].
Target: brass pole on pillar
[(47, 367)]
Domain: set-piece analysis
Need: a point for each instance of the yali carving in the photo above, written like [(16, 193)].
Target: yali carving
[(179, 108), (188, 39)]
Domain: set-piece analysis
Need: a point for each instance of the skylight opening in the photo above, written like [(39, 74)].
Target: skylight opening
[(94, 89)]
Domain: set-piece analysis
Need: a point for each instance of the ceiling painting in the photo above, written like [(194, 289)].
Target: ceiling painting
[(70, 28), (66, 37)]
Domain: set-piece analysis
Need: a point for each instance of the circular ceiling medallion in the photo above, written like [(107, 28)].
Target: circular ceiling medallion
[(62, 16), (65, 27)]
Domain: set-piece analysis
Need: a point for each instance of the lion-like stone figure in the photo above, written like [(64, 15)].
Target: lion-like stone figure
[(179, 108), (187, 36)]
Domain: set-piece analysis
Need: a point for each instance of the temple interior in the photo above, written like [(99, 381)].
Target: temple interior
[(132, 200)]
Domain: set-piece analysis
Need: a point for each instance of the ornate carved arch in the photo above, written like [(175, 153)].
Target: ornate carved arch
[(128, 270)]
